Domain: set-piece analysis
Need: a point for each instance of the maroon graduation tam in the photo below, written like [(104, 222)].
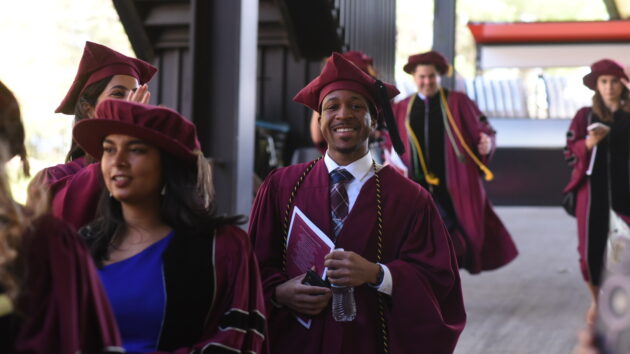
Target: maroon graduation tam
[(99, 62), (160, 126), (429, 58), (360, 59), (341, 74), (603, 67)]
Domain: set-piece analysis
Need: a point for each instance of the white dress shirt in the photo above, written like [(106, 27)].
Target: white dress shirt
[(362, 171)]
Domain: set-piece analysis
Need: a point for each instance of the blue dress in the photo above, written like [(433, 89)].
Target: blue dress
[(136, 290)]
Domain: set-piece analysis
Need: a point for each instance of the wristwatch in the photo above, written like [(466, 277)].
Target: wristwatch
[(379, 277)]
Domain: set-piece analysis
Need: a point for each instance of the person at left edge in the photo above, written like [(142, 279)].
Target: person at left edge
[(103, 73), (180, 278), (51, 300), (415, 283)]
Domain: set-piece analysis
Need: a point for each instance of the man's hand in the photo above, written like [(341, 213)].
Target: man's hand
[(485, 144), (350, 269), (305, 299), (140, 95)]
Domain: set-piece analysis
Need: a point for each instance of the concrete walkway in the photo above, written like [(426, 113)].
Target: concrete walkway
[(536, 304)]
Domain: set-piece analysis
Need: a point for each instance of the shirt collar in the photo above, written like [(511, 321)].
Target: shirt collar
[(424, 98), (358, 168)]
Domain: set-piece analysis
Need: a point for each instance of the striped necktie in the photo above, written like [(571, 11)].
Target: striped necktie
[(339, 198)]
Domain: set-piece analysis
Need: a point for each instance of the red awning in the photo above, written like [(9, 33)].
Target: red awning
[(550, 32)]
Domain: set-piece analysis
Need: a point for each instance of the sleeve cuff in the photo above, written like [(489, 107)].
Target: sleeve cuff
[(387, 285), (275, 303)]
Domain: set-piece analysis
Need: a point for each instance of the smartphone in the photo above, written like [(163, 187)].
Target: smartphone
[(311, 278), (598, 126)]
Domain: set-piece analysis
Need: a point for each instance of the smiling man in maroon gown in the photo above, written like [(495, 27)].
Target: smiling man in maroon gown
[(448, 144), (408, 272)]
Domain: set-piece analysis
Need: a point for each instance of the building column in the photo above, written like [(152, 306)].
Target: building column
[(444, 22), (223, 43)]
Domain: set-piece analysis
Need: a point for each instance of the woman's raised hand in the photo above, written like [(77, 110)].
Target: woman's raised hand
[(140, 95)]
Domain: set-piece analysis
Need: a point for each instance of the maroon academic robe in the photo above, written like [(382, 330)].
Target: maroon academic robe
[(64, 306), (425, 313), (591, 215), (214, 295), (490, 243), (75, 189)]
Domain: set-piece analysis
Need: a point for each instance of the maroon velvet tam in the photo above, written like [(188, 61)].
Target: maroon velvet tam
[(341, 74), (99, 62), (603, 67), (360, 59), (429, 58), (162, 127)]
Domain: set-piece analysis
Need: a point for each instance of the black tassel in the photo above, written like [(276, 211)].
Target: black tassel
[(388, 116)]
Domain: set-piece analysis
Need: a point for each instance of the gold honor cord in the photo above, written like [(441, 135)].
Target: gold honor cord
[(488, 175), (6, 305), (428, 176)]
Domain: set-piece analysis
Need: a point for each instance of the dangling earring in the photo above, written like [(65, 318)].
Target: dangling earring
[(163, 191), (110, 194)]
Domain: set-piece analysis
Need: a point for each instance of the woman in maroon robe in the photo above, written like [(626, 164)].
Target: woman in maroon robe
[(103, 74), (180, 278), (406, 282), (51, 300), (448, 143), (599, 155)]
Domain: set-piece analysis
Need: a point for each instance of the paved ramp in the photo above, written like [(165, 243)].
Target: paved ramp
[(536, 304)]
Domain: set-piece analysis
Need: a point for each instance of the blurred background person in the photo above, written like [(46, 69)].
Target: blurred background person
[(51, 300), (448, 142), (103, 73), (597, 150), (180, 278)]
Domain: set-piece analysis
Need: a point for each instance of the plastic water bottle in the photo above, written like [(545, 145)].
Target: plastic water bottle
[(344, 308)]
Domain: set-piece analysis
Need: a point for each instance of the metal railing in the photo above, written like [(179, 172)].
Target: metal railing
[(547, 98)]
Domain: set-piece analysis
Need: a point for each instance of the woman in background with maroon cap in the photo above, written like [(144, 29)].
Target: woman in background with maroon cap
[(102, 74), (597, 149), (179, 277), (51, 300)]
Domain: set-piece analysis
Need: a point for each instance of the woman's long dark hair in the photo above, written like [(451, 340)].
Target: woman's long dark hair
[(86, 102), (605, 114), (187, 206), (14, 221)]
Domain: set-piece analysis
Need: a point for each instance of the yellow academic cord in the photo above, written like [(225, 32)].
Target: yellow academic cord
[(428, 176), (488, 175)]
